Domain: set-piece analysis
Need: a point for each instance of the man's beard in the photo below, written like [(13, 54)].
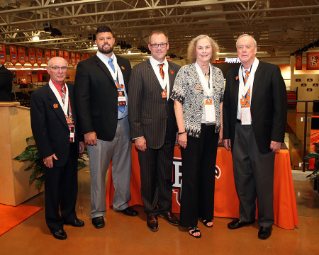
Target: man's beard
[(105, 51)]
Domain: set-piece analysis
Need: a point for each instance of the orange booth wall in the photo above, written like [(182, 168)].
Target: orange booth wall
[(226, 199)]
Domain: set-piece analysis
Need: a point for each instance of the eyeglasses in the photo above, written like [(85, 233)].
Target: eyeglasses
[(156, 45), (56, 68)]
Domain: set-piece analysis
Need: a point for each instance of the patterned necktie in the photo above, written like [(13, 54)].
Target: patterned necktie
[(121, 108), (161, 70), (245, 100), (63, 93)]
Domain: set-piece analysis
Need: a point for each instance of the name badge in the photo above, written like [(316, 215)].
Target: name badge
[(210, 113), (72, 133), (121, 98), (245, 116)]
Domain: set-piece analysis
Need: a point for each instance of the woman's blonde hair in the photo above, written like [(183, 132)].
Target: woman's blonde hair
[(191, 51)]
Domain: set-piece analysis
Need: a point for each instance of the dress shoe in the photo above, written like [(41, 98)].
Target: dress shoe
[(238, 224), (152, 223), (170, 218), (60, 234), (98, 222), (129, 211), (264, 232), (76, 223)]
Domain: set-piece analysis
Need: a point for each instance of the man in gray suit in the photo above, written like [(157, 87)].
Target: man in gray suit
[(101, 87), (153, 127), (255, 116)]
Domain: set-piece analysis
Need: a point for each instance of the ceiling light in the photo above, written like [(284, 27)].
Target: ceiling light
[(36, 38)]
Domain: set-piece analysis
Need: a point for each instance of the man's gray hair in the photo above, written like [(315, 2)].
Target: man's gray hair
[(66, 62), (255, 43)]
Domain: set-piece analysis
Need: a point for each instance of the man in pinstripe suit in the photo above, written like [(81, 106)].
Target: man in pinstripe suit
[(153, 127)]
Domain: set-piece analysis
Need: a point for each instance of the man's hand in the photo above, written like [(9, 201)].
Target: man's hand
[(48, 161), (275, 146), (140, 144), (227, 144), (81, 147), (90, 138), (182, 140)]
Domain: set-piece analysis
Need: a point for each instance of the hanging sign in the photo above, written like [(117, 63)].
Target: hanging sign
[(21, 55), (87, 55), (2, 54), (73, 59), (78, 57), (66, 57), (13, 54), (32, 56), (83, 56), (53, 53), (312, 60), (299, 61), (61, 53), (47, 56), (39, 56)]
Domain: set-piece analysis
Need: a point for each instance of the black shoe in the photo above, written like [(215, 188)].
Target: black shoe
[(76, 223), (264, 232), (60, 234), (129, 211), (98, 222), (152, 223), (170, 218), (238, 224)]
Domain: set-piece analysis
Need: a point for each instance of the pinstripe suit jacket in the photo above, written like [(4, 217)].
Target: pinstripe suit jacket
[(149, 113)]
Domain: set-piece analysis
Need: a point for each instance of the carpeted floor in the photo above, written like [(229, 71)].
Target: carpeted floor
[(11, 216)]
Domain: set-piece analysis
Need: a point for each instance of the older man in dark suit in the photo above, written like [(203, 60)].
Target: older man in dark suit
[(101, 89), (5, 84), (57, 136), (153, 127), (255, 116)]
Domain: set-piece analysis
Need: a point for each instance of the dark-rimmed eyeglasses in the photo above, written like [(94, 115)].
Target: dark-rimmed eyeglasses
[(156, 45), (56, 68)]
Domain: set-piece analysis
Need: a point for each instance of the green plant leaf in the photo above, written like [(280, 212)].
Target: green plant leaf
[(29, 138), (312, 154), (24, 155), (39, 182), (31, 147)]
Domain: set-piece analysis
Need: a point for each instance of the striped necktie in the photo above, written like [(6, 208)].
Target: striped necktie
[(161, 70), (245, 100)]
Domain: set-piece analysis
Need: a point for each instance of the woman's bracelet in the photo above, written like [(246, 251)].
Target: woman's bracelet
[(180, 133)]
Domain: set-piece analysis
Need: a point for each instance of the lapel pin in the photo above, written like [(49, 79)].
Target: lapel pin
[(55, 105), (197, 87), (172, 72), (123, 68), (237, 78)]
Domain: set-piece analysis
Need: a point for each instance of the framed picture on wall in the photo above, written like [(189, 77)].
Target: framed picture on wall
[(309, 89), (309, 80), (315, 85), (298, 80), (303, 84)]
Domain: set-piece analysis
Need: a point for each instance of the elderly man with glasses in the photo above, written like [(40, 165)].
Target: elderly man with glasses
[(59, 142), (153, 128)]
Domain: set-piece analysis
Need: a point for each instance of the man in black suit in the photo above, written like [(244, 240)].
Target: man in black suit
[(5, 84), (153, 127), (101, 89), (255, 116), (57, 136)]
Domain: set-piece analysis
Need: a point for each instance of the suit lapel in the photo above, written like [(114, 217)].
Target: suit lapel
[(257, 78), (236, 86), (55, 106), (123, 70), (153, 75), (171, 75), (103, 67)]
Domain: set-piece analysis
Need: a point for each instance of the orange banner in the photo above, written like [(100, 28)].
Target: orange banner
[(47, 56), (73, 63), (13, 54), (313, 61), (39, 56), (3, 57), (66, 56), (87, 55), (78, 57), (61, 53), (83, 56), (21, 55), (32, 56), (299, 61), (53, 53)]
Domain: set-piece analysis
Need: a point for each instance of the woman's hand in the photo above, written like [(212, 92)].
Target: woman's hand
[(182, 140), (220, 139)]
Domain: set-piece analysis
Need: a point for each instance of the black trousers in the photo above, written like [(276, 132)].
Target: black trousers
[(156, 177), (61, 187), (198, 183)]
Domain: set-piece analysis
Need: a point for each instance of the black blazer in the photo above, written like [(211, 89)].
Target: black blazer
[(49, 126), (268, 107), (96, 96), (5, 84), (149, 113)]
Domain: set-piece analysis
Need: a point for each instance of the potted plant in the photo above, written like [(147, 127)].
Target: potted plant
[(31, 154), (315, 174)]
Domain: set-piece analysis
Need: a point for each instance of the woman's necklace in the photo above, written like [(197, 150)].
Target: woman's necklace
[(206, 74)]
